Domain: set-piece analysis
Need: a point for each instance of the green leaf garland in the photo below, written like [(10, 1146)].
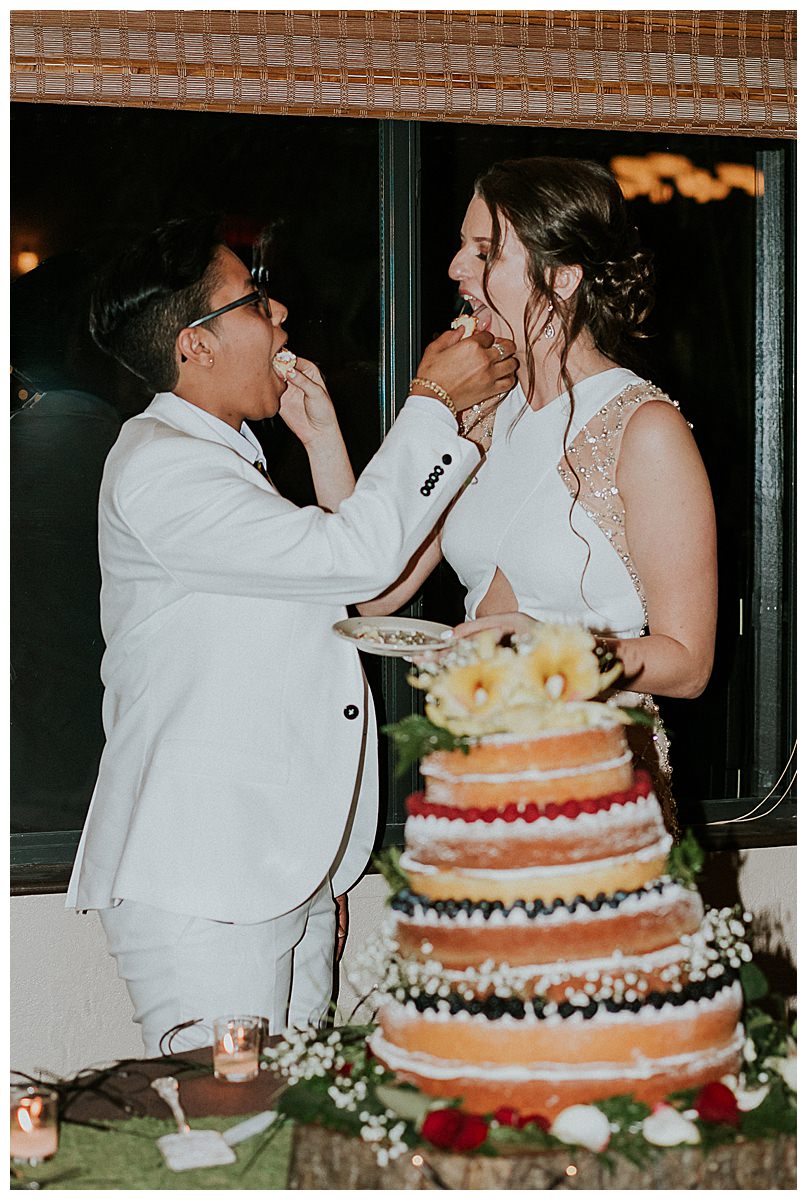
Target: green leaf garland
[(388, 863), (415, 737), (685, 861)]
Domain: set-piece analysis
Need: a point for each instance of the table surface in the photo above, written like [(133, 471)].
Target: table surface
[(124, 1089), (110, 1119)]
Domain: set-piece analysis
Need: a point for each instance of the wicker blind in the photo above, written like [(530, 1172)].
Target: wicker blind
[(731, 72)]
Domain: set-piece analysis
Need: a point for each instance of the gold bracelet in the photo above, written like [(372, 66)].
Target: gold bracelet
[(440, 392)]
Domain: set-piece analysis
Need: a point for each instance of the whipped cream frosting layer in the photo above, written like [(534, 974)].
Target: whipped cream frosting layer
[(601, 717), (432, 771), (590, 968), (434, 1068), (659, 849)]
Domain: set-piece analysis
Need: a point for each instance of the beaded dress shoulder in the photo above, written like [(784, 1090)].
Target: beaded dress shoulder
[(588, 470)]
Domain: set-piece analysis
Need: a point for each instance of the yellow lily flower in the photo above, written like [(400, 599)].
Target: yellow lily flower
[(478, 690), (563, 665)]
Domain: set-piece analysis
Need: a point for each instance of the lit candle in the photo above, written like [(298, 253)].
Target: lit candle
[(34, 1129), (236, 1048)]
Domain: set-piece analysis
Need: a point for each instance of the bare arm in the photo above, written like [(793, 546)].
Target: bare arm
[(418, 569), (308, 411), (670, 529)]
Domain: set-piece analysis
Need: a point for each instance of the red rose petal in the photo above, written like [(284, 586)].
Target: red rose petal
[(471, 1133), (715, 1103), (450, 1129), (440, 1127)]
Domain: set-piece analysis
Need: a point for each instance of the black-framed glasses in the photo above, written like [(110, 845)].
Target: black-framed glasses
[(260, 294)]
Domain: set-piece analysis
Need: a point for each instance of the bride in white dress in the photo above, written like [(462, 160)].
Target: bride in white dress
[(591, 503)]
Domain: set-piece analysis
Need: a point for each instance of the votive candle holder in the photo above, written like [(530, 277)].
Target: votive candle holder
[(34, 1133), (236, 1048)]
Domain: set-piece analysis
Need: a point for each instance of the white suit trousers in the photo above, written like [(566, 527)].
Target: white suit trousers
[(180, 968)]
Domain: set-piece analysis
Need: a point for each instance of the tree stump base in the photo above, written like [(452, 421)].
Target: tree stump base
[(326, 1161)]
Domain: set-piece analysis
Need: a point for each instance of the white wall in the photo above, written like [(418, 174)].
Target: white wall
[(69, 1010)]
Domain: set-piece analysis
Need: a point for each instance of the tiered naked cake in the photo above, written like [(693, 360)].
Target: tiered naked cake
[(542, 956)]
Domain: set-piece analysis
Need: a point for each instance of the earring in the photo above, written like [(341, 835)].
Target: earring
[(549, 328), (210, 360)]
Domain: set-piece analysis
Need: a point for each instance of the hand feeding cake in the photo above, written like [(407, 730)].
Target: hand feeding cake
[(540, 955)]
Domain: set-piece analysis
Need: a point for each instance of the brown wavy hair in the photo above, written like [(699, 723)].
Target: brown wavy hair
[(570, 212)]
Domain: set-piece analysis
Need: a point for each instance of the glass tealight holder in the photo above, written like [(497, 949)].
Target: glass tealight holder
[(236, 1048), (34, 1124)]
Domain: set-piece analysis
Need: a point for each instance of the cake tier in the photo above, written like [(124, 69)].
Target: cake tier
[(549, 768), (608, 826), (542, 1065), (563, 881), (638, 922)]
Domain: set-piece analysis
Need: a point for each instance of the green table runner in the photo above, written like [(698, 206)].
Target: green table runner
[(123, 1155)]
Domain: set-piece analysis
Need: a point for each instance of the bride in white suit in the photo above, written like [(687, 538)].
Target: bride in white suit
[(236, 794)]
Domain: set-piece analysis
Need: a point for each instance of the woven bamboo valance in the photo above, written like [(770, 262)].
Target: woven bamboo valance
[(728, 72)]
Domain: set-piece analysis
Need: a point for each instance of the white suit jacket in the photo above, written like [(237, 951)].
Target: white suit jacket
[(240, 762)]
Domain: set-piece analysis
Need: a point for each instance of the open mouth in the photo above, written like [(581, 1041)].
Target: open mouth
[(478, 309)]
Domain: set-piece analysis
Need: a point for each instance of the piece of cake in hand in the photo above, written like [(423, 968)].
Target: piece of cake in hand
[(466, 323), (284, 362)]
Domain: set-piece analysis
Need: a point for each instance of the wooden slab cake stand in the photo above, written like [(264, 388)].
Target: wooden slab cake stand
[(324, 1161)]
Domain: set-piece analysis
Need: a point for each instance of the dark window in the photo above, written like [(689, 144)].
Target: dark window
[(368, 216)]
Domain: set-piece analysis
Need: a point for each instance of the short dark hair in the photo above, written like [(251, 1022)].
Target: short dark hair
[(155, 288)]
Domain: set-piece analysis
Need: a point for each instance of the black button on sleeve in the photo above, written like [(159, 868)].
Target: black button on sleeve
[(447, 459), (351, 712)]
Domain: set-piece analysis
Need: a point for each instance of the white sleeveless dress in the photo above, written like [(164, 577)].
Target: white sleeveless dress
[(553, 523)]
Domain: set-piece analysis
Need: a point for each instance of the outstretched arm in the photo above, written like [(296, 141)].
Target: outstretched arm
[(417, 571)]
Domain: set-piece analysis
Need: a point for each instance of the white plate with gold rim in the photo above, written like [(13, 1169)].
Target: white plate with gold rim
[(395, 637)]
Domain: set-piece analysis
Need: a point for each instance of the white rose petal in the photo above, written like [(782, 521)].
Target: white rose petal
[(582, 1125), (786, 1067), (748, 1100), (667, 1127)]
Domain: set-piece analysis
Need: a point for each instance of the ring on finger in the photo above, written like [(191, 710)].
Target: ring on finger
[(498, 346)]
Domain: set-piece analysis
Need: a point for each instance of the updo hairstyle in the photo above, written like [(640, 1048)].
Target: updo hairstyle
[(570, 212)]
